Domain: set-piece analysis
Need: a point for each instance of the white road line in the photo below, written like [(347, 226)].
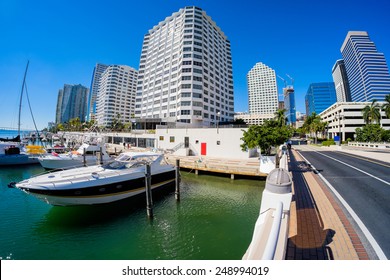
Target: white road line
[(353, 167), (381, 255)]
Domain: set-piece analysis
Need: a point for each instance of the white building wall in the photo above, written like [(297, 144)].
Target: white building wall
[(344, 117), (254, 119), (220, 142)]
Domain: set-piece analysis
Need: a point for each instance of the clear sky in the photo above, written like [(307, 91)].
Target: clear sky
[(65, 39)]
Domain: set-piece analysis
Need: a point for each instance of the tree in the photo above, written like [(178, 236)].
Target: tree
[(117, 124), (369, 133), (386, 106), (371, 113), (74, 124), (313, 124), (280, 117), (265, 136)]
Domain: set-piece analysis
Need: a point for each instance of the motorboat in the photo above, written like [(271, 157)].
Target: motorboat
[(74, 159), (122, 178), (13, 153)]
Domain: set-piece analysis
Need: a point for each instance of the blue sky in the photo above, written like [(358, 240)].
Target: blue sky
[(65, 39)]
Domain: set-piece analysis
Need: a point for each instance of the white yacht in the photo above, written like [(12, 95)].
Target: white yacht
[(120, 179), (75, 158)]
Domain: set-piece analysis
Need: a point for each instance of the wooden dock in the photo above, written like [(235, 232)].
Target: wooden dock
[(242, 167)]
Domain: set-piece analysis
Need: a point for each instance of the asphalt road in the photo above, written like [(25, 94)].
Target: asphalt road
[(366, 190)]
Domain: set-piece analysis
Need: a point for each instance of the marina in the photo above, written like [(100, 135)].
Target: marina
[(213, 220)]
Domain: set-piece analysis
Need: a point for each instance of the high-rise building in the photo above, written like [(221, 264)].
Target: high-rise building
[(93, 91), (116, 95), (289, 105), (319, 97), (185, 71), (367, 70), (72, 103), (59, 105), (341, 83), (262, 89)]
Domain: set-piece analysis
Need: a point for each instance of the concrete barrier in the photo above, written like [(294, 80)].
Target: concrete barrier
[(382, 145), (269, 239)]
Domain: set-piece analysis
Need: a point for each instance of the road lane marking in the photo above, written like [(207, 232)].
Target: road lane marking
[(378, 250), (353, 167), (362, 158)]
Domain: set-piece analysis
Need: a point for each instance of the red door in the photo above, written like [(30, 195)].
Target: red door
[(203, 149)]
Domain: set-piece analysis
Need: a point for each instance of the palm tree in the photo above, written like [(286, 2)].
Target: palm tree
[(386, 106), (280, 117), (371, 113), (313, 125)]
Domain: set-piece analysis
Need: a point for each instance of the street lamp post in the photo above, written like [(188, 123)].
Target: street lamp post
[(340, 137)]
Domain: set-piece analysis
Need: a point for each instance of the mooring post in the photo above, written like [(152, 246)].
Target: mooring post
[(115, 150), (177, 180), (101, 155), (148, 186), (84, 158)]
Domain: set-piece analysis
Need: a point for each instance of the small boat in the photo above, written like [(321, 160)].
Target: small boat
[(120, 179), (75, 158), (12, 153)]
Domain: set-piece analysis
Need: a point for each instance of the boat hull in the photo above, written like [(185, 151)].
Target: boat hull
[(19, 159), (102, 192)]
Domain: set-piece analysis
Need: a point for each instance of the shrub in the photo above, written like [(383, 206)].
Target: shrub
[(327, 143)]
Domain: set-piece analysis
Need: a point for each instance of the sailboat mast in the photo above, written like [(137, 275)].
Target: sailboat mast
[(21, 97)]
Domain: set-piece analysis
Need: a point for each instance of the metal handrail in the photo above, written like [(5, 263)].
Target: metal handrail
[(270, 248)]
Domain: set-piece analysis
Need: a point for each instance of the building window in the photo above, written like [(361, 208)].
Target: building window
[(161, 138), (172, 139)]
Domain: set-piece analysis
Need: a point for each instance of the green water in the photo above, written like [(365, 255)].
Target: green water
[(214, 220)]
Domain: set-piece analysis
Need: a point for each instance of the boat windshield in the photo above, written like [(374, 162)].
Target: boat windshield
[(125, 161)]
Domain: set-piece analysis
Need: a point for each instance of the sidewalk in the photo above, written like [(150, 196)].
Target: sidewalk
[(318, 227)]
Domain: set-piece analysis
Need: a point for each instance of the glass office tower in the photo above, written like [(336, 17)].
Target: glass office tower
[(319, 97)]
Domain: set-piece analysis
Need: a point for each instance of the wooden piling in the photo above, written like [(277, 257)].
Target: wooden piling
[(177, 180), (101, 155), (84, 157), (148, 186)]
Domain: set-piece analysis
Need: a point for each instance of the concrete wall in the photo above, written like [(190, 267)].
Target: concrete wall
[(219, 142)]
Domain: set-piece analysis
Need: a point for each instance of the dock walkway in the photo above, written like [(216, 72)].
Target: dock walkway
[(244, 167)]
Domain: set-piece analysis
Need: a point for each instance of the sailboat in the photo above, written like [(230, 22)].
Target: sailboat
[(12, 151)]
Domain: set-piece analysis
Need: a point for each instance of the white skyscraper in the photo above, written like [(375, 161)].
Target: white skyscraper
[(116, 94), (185, 71), (262, 89)]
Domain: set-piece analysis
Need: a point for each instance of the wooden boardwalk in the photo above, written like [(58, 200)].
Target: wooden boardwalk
[(243, 167)]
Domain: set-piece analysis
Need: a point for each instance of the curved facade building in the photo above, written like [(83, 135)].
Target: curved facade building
[(262, 89), (367, 70)]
